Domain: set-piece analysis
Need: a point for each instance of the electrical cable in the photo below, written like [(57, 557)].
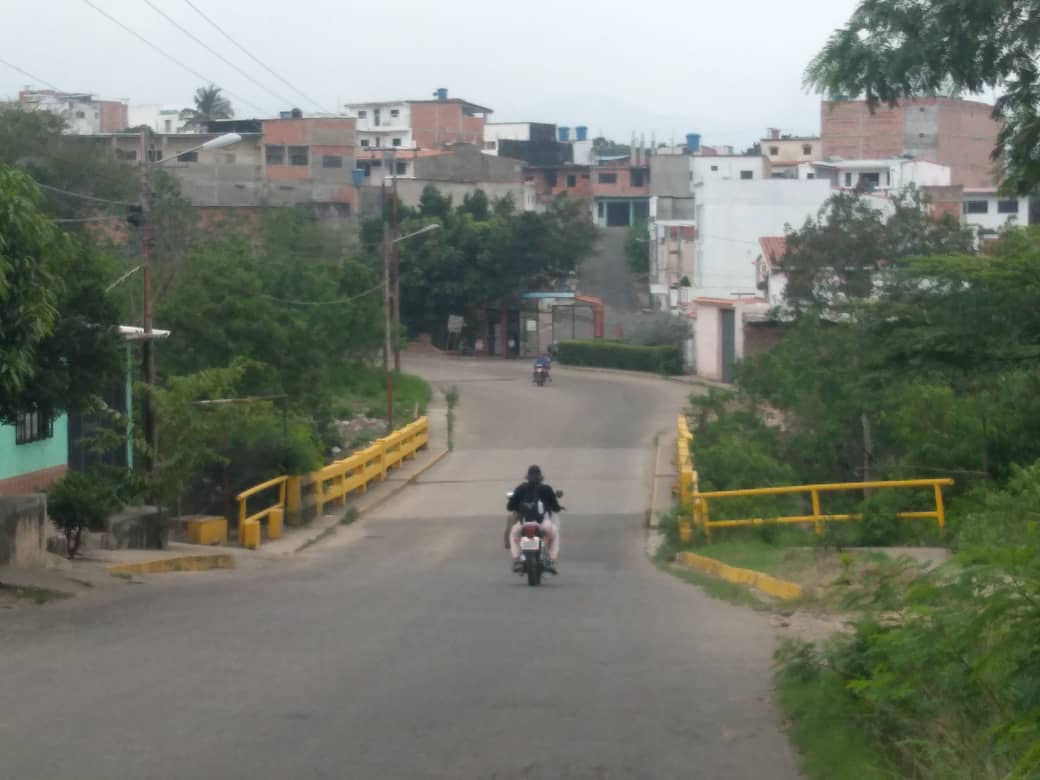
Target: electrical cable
[(326, 303), (26, 73)]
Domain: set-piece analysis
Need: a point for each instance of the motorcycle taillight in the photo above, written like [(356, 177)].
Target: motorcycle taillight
[(530, 530)]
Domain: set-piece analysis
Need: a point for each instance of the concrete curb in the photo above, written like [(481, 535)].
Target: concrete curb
[(771, 586), (378, 502), (684, 379), (179, 563)]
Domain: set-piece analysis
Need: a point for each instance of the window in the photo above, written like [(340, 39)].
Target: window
[(976, 207), (806, 149), (275, 155), (401, 168), (848, 179), (126, 154), (747, 174), (362, 114), (80, 115), (529, 178), (396, 142), (572, 180), (298, 155), (1007, 206), (810, 175), (714, 167), (331, 161), (774, 151), (550, 179), (168, 124), (367, 169), (32, 427), (375, 117), (395, 112), (607, 178), (188, 157), (602, 208), (379, 142), (491, 144), (638, 178), (364, 143), (154, 155), (888, 178)]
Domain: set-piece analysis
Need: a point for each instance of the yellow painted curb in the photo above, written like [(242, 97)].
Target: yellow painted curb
[(180, 563), (781, 589)]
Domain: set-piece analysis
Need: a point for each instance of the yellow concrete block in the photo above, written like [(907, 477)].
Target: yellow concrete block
[(772, 586), (274, 523), (249, 534), (685, 532), (208, 530), (178, 563)]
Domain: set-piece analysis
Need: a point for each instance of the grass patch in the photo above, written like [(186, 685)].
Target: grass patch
[(451, 396), (824, 729), (362, 390), (123, 575), (350, 516), (715, 587), (33, 594)]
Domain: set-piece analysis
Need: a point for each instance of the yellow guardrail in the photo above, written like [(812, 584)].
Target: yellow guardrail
[(697, 505), (249, 525), (299, 495)]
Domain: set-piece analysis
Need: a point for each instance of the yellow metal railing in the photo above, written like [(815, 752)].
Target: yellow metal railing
[(697, 505), (331, 484)]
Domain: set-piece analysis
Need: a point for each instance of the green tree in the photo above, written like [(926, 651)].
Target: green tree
[(209, 105), (891, 50), (638, 248), (58, 346)]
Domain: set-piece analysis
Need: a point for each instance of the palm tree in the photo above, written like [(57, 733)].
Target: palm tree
[(209, 105)]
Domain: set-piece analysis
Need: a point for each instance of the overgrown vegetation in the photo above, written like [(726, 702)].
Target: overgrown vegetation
[(614, 354), (905, 356)]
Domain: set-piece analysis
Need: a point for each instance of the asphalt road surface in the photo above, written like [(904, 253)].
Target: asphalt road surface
[(406, 648)]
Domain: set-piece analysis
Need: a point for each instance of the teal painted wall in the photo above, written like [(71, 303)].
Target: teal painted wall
[(19, 459)]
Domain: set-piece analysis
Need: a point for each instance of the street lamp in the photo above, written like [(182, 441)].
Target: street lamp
[(142, 220), (388, 347)]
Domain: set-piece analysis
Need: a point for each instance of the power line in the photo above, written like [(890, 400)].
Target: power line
[(81, 196), (326, 303), (169, 56), (255, 59), (214, 52), (29, 75)]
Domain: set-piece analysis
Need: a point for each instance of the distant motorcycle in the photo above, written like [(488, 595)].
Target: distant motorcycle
[(541, 374), (533, 548)]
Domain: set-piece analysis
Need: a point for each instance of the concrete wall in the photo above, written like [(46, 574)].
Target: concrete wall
[(467, 163), (409, 191), (994, 220), (733, 215), (791, 151), (25, 468), (671, 175), (23, 526)]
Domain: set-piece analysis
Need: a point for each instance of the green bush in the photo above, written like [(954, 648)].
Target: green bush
[(80, 502), (614, 354)]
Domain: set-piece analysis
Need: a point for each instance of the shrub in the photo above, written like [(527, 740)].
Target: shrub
[(80, 502), (614, 354)]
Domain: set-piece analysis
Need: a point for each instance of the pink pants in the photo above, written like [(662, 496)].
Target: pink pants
[(549, 530)]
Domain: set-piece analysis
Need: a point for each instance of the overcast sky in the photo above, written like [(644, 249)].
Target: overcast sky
[(727, 68)]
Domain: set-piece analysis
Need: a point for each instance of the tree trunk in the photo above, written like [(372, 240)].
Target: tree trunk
[(868, 446)]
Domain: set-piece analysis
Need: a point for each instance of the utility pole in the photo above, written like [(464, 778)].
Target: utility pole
[(147, 347), (386, 325), (396, 273)]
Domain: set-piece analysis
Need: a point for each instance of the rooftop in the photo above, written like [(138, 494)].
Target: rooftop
[(455, 101), (773, 249)]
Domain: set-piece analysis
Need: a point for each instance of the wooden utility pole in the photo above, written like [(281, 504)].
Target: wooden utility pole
[(396, 275), (147, 345), (387, 325)]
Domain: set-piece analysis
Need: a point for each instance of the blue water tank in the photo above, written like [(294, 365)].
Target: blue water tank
[(581, 132), (693, 141), (442, 94), (564, 133), (358, 176)]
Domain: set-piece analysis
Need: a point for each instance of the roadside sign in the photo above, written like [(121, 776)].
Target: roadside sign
[(455, 323)]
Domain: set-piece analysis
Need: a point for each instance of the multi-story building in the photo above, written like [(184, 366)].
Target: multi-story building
[(878, 175), (419, 124), (161, 119), (958, 133), (278, 162), (786, 152), (83, 113)]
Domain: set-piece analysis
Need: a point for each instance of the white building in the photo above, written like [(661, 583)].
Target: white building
[(871, 175), (383, 125), (726, 168), (505, 131), (161, 119), (987, 212), (83, 113)]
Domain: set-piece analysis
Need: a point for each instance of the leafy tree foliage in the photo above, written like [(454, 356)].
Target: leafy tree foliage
[(891, 50), (637, 248), (210, 104)]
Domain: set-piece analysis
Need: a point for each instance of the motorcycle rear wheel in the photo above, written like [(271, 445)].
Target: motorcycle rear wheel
[(534, 570)]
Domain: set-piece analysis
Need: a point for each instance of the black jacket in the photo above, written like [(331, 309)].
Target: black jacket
[(528, 493)]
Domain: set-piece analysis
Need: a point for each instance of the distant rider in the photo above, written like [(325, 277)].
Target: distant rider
[(530, 492), (545, 362)]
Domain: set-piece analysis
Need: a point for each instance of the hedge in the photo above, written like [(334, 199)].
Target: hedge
[(615, 354)]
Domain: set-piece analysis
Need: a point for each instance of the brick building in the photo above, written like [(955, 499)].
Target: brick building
[(419, 124), (958, 133), (82, 112)]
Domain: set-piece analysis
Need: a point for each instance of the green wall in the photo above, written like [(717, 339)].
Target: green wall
[(19, 459)]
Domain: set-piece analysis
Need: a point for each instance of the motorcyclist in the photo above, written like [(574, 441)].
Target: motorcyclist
[(531, 491), (545, 362)]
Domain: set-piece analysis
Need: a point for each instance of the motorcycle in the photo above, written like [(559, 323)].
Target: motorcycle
[(541, 375), (533, 548)]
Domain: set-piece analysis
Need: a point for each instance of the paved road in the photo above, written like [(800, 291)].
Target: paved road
[(409, 650), (606, 276)]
